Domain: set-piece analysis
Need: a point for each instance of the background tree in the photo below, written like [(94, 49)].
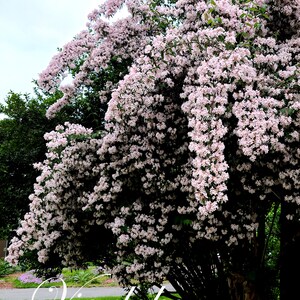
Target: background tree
[(21, 145), (197, 147)]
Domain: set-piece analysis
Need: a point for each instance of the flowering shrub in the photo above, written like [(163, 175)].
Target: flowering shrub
[(30, 277), (200, 137), (5, 268)]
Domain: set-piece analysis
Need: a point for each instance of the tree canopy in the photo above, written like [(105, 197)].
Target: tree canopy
[(196, 142), (21, 145)]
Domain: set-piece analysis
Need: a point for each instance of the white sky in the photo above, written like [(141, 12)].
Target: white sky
[(30, 33)]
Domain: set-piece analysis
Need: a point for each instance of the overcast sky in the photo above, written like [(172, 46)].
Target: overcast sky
[(30, 33)]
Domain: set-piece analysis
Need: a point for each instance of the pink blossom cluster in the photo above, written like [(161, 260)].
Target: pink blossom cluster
[(58, 197), (201, 131)]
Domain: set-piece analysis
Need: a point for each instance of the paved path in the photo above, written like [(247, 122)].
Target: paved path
[(45, 294)]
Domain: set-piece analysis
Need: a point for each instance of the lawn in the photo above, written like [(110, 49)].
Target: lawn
[(120, 298), (103, 298), (75, 278)]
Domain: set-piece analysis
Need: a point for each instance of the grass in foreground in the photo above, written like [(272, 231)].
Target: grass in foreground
[(121, 298), (76, 278), (100, 298)]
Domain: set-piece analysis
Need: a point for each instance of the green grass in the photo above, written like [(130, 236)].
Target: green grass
[(119, 298), (101, 298), (77, 278), (20, 285)]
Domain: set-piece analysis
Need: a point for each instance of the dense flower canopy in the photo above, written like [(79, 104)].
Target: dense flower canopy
[(199, 137)]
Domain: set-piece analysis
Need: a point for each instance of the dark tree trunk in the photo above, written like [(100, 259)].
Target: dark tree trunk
[(289, 255), (201, 275), (242, 289)]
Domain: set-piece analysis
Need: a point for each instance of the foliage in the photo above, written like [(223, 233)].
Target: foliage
[(272, 250), (82, 276), (6, 268), (194, 147), (21, 144)]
